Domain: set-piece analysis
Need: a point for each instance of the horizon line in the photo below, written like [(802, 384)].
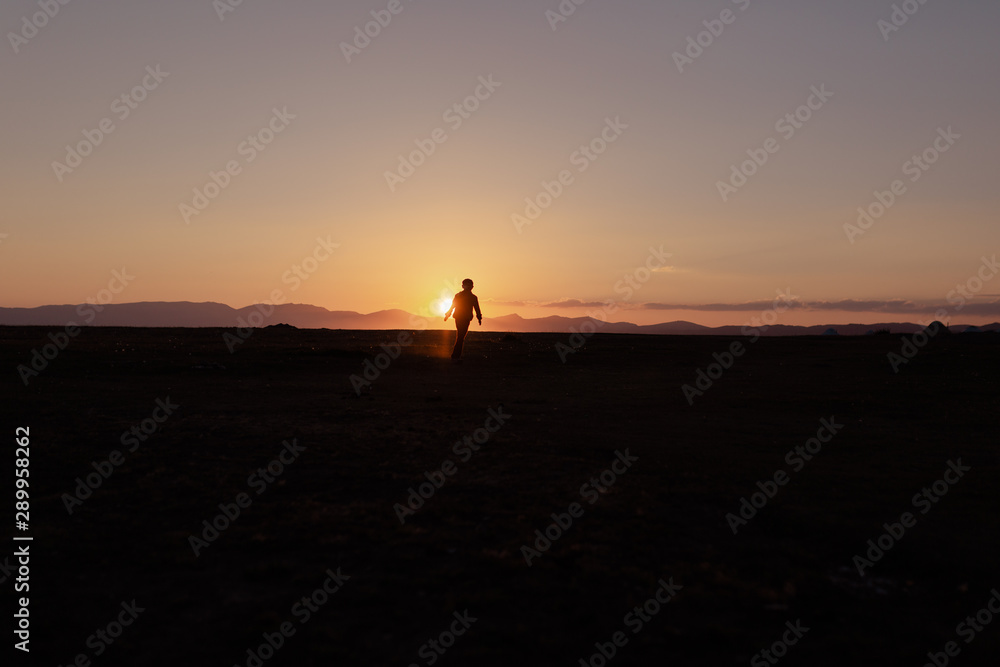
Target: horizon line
[(91, 309), (886, 306)]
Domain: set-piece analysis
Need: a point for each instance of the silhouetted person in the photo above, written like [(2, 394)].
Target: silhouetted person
[(462, 305)]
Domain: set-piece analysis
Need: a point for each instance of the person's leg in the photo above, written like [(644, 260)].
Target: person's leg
[(462, 328)]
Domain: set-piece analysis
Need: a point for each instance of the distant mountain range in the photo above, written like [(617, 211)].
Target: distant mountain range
[(188, 314)]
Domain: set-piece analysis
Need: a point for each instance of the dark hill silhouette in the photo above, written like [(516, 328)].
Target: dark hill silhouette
[(305, 316)]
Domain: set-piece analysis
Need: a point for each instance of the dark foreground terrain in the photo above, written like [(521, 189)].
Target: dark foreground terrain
[(329, 509)]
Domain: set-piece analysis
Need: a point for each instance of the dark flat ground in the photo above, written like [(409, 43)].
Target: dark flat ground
[(665, 517)]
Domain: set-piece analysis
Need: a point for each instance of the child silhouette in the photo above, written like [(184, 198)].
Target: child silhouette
[(462, 306)]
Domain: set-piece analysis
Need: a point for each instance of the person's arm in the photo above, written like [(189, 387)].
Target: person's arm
[(479, 313), (450, 310)]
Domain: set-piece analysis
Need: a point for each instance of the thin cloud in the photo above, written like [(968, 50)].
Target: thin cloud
[(970, 307), (503, 302), (902, 306), (574, 303), (973, 306), (725, 307), (874, 306)]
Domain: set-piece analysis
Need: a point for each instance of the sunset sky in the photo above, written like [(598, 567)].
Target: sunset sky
[(621, 76)]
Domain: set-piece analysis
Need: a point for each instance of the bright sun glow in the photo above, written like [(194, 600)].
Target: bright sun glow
[(441, 306)]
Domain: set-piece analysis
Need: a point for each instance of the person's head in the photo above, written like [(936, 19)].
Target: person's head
[(467, 284)]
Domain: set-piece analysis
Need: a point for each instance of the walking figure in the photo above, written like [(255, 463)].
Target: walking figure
[(462, 306)]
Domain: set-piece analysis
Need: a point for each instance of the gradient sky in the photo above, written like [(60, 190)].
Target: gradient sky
[(656, 186)]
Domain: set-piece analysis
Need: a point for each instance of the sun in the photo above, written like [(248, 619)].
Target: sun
[(441, 306)]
